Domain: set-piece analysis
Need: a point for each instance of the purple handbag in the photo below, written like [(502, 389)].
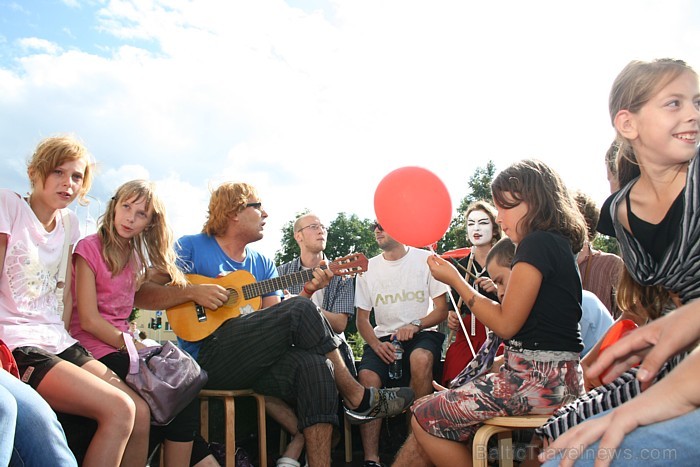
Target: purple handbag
[(166, 377)]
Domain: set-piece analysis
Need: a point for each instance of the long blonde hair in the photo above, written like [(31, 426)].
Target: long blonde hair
[(153, 247), (636, 84)]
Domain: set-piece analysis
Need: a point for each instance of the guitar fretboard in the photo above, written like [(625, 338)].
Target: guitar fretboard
[(256, 289)]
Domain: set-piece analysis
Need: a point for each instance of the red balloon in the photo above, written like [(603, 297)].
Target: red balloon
[(413, 206)]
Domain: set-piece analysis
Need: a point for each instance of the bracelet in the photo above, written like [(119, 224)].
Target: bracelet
[(308, 291), (123, 347)]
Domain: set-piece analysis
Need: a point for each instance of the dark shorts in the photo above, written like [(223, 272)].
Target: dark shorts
[(428, 340), (34, 362)]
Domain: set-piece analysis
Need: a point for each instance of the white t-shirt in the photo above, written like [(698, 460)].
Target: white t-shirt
[(28, 301), (399, 291)]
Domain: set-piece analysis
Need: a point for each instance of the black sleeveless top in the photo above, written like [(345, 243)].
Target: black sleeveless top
[(654, 238)]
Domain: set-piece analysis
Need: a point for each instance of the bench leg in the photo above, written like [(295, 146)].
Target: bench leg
[(230, 417), (348, 439), (262, 429)]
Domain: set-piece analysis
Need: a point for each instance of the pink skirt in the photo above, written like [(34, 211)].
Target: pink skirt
[(529, 382)]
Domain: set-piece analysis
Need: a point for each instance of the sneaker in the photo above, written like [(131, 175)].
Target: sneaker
[(385, 403), (372, 464)]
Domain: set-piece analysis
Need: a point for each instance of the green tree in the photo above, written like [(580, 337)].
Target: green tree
[(351, 234), (606, 244), (134, 315), (479, 188), (346, 235), (290, 247)]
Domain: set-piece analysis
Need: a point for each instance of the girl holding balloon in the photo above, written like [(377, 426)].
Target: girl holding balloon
[(538, 319)]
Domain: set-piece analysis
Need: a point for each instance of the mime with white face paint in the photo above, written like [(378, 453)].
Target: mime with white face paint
[(482, 233)]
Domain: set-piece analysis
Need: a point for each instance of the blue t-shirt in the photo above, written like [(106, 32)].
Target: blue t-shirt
[(201, 254), (595, 321)]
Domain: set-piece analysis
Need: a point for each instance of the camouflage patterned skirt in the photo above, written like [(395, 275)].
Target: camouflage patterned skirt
[(529, 382)]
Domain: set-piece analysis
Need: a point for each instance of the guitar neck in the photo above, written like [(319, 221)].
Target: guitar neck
[(257, 289)]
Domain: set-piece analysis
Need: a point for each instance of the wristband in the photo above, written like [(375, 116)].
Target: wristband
[(307, 291)]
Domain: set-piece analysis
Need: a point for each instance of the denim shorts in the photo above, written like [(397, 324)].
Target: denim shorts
[(34, 362)]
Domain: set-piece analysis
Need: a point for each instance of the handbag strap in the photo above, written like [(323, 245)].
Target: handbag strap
[(61, 278), (133, 353)]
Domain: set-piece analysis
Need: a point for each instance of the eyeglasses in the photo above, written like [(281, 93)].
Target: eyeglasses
[(257, 206), (376, 225), (314, 227)]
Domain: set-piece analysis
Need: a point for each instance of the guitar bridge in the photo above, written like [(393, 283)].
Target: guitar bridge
[(201, 313)]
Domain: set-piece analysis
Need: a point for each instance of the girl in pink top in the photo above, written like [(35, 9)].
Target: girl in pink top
[(109, 267), (33, 232)]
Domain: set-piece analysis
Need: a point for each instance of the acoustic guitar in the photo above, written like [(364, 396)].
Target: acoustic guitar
[(193, 322)]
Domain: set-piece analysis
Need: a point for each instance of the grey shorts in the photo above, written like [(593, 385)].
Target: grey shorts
[(428, 340), (34, 362)]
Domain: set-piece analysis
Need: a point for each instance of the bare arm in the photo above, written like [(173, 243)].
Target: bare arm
[(155, 295), (384, 350), (593, 382), (504, 319), (88, 312), (673, 396), (436, 316), (652, 345), (338, 321)]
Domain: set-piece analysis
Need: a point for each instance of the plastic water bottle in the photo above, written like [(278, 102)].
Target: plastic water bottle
[(395, 367)]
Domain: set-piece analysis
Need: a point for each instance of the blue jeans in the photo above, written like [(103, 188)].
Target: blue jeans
[(27, 419), (671, 442)]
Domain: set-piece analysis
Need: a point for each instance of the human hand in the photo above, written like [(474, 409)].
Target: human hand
[(453, 321), (572, 444), (673, 396), (438, 387), (486, 284), (652, 345), (286, 294), (406, 332), (385, 351), (322, 277), (443, 270), (210, 296)]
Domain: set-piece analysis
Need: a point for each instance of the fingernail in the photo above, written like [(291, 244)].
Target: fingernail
[(642, 374)]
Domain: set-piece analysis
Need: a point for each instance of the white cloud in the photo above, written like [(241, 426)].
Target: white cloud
[(36, 45), (314, 108)]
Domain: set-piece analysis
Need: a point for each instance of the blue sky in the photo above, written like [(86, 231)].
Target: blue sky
[(313, 102)]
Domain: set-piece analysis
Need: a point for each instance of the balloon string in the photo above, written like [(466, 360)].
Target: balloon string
[(459, 316)]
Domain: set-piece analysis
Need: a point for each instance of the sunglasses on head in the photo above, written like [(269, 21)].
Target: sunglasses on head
[(376, 225)]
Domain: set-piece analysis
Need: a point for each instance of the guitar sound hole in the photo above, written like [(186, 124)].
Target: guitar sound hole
[(232, 296)]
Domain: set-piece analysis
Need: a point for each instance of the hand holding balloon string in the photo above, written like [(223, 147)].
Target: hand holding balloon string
[(455, 307)]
